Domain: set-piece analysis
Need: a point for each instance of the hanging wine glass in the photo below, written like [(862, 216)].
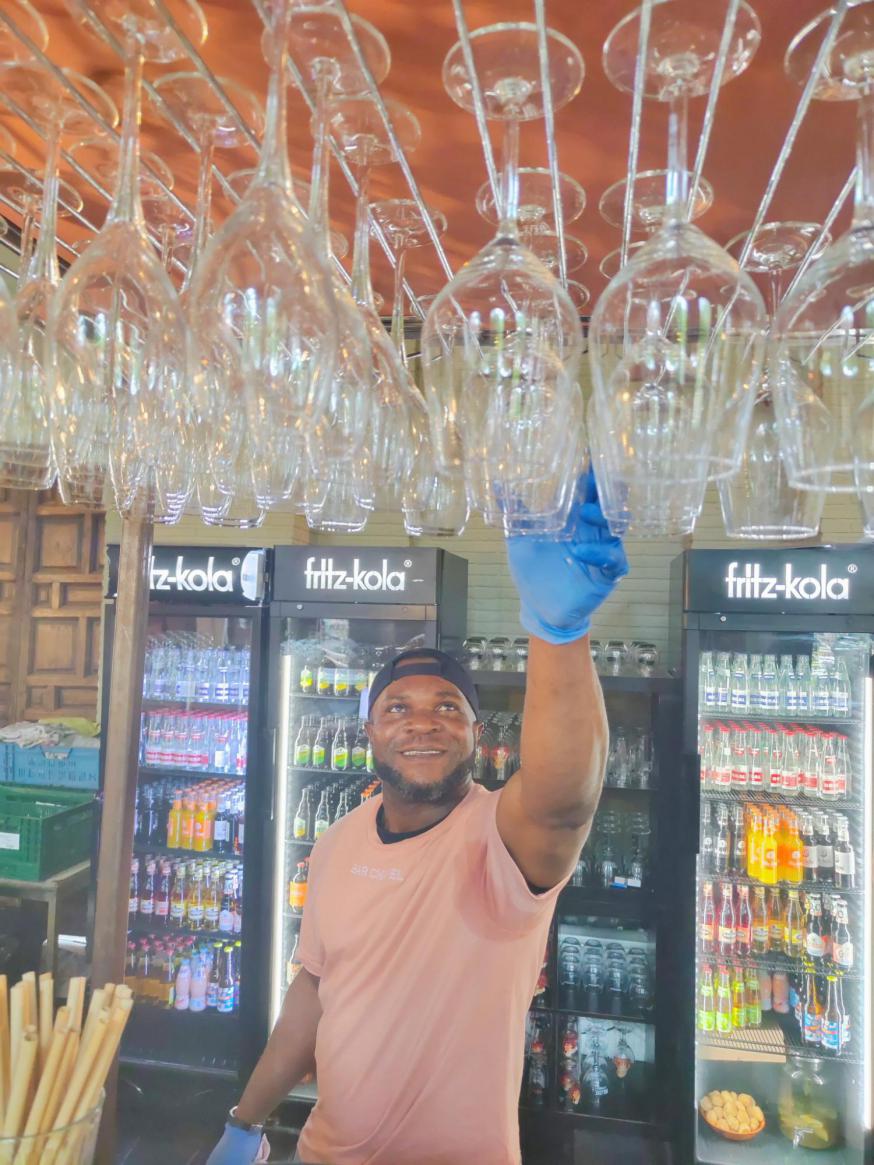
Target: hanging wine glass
[(623, 1056), (759, 502), (357, 126), (21, 190), (28, 21), (120, 397), (501, 342), (404, 226), (648, 206), (263, 291), (334, 486), (536, 210), (545, 245), (676, 341), (100, 156), (823, 336), (26, 459)]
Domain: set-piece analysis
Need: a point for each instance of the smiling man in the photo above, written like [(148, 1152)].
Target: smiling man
[(429, 907)]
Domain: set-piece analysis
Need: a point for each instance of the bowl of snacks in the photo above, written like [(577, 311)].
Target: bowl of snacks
[(734, 1115)]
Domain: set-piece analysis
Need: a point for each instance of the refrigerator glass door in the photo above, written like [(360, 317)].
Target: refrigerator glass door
[(783, 938), (185, 920), (324, 766)]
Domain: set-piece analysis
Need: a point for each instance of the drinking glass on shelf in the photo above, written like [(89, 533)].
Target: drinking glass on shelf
[(498, 651), (474, 649), (520, 651), (676, 341), (646, 656), (616, 654)]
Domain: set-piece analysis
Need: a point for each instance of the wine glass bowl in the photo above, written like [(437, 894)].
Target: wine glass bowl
[(535, 199), (507, 62), (649, 203), (546, 245), (139, 22), (356, 124), (317, 42), (193, 101), (27, 20), (778, 246), (848, 63)]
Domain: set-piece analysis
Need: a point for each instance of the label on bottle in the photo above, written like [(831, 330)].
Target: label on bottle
[(810, 783), (829, 784), (739, 776), (723, 1023), (297, 895), (794, 940), (845, 863), (727, 936), (757, 776), (815, 945), (830, 1035), (706, 1019), (809, 857), (241, 834), (359, 757), (842, 955), (147, 906), (212, 994), (238, 922), (302, 755), (211, 916), (195, 916), (791, 779), (225, 1000), (221, 830), (321, 827), (226, 920), (325, 684), (812, 1027), (133, 904), (340, 758), (769, 859), (825, 855), (318, 758), (739, 1015), (706, 929), (162, 908), (306, 680), (760, 938), (754, 1013), (341, 682), (177, 912), (300, 829)]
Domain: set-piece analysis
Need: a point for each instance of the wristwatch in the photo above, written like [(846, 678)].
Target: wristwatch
[(237, 1123)]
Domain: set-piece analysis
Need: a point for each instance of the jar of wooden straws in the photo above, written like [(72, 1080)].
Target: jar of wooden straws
[(53, 1068)]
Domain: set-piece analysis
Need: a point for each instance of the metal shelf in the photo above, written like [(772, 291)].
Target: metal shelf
[(183, 704), (778, 962), (753, 717), (190, 775), (325, 699), (326, 772), (171, 852), (775, 1037), (658, 682), (159, 930), (774, 797), (608, 903), (816, 887)]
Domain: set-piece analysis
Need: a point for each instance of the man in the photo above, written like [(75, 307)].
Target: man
[(429, 908)]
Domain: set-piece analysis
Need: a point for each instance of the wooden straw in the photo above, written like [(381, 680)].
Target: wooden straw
[(108, 995), (13, 1121), (4, 1045), (76, 1000), (31, 1014), (16, 1028), (38, 1110), (83, 1074), (117, 1021), (94, 1008), (46, 1015), (70, 1042)]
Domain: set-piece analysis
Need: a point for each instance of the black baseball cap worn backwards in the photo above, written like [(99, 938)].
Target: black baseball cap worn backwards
[(424, 661)]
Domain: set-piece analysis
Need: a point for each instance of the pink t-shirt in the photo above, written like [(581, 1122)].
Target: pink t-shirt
[(428, 951)]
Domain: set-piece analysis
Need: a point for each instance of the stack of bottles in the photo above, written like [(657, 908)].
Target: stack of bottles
[(790, 760), (191, 668), (334, 743), (496, 756), (185, 974), (215, 742), (776, 844), (757, 685), (321, 676), (321, 806), (196, 896), (206, 817)]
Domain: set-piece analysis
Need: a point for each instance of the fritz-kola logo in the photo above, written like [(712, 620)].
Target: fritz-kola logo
[(752, 584), (191, 578), (327, 577)]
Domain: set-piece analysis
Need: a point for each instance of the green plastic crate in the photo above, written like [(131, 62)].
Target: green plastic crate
[(43, 831)]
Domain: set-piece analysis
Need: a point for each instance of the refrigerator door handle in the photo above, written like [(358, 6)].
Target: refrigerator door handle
[(693, 768), (271, 815)]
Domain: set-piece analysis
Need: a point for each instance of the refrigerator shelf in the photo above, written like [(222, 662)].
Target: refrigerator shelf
[(807, 887), (142, 848), (326, 699), (300, 844), (774, 1038), (640, 1017), (753, 717), (155, 772), (326, 772), (778, 962), (143, 930), (587, 1120), (590, 900), (182, 704), (775, 797), (610, 681)]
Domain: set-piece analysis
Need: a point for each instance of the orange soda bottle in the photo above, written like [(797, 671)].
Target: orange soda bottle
[(186, 824), (768, 870), (754, 842), (201, 825), (174, 821)]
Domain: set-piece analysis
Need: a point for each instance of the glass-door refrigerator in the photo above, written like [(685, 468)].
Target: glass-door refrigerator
[(338, 613), (777, 651), (195, 881)]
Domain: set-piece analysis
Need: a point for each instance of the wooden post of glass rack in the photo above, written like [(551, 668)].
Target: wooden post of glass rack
[(121, 747)]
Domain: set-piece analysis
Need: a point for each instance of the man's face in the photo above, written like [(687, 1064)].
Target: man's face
[(423, 732)]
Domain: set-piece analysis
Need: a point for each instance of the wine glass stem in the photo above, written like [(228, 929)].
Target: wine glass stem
[(677, 188), (44, 261), (362, 290), (397, 311), (863, 210), (510, 179), (203, 208), (774, 282), (29, 207), (273, 165), (126, 204), (320, 177)]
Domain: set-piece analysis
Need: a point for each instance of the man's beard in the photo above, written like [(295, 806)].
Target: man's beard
[(444, 791)]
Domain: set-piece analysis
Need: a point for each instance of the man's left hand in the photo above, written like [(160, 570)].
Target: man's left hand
[(561, 583)]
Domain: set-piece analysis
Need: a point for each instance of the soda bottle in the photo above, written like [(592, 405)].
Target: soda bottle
[(820, 689), (323, 817), (815, 938), (342, 807), (186, 824), (238, 901), (808, 783), (238, 947), (768, 855), (147, 892), (844, 856), (722, 842), (303, 745), (168, 978), (756, 767), (738, 999), (197, 986), (776, 927), (811, 1031), (211, 901), (845, 1029), (723, 758), (240, 825), (293, 965), (842, 772), (770, 702), (222, 828), (162, 895), (740, 683), (226, 982), (753, 998), (300, 828), (775, 758), (760, 932), (325, 679), (740, 775), (226, 911), (788, 698), (706, 1002), (183, 985), (809, 848), (727, 932), (793, 862), (825, 853), (744, 928), (793, 926), (358, 756), (178, 897), (756, 694), (754, 842), (369, 763), (723, 1003), (707, 839), (803, 684), (134, 896), (792, 765), (340, 749), (321, 745), (723, 681), (832, 1021), (195, 901), (306, 680), (738, 861), (839, 692), (842, 942), (212, 987), (707, 683), (297, 889)]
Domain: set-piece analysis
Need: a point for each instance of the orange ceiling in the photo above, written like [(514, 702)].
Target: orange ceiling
[(753, 114)]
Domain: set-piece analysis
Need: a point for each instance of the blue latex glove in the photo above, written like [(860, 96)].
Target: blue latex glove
[(237, 1147), (562, 583)]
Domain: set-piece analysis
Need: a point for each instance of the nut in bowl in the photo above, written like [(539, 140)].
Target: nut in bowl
[(734, 1115)]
